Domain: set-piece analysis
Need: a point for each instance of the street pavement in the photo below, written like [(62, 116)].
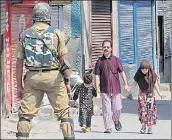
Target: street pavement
[(49, 129)]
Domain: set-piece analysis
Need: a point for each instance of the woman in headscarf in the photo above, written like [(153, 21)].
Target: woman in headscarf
[(146, 79)]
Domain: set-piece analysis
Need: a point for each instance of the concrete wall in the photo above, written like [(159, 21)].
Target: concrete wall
[(67, 21), (86, 32), (115, 28)]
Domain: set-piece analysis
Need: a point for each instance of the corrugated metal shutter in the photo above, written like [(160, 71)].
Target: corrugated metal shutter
[(16, 13), (15, 1), (167, 28), (160, 7), (56, 18), (126, 37), (3, 16), (144, 31), (101, 27)]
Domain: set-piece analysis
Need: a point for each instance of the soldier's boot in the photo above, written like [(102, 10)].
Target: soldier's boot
[(67, 127), (83, 128), (24, 126)]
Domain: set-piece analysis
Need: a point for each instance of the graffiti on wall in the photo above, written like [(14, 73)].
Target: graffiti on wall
[(20, 20), (8, 64)]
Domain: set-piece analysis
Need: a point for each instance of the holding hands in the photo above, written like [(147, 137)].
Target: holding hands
[(127, 88)]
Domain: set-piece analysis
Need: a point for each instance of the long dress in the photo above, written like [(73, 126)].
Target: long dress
[(147, 109), (85, 95)]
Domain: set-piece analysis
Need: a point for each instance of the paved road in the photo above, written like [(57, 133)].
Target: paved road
[(131, 126)]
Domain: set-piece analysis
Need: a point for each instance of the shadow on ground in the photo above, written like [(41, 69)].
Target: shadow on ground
[(130, 107), (163, 108)]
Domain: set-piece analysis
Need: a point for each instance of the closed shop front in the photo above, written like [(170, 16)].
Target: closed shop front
[(101, 27), (136, 31)]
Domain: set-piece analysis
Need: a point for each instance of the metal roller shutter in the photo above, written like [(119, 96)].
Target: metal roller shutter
[(3, 17), (57, 17), (126, 35), (160, 7), (136, 32), (101, 27), (167, 28), (144, 31)]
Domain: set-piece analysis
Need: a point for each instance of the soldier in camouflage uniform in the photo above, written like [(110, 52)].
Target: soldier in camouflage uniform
[(44, 51)]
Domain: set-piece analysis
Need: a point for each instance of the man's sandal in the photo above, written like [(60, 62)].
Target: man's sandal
[(118, 126), (143, 130)]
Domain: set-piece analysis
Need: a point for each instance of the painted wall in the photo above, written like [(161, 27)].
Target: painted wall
[(72, 30)]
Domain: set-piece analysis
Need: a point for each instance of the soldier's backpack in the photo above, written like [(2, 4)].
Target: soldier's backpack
[(39, 49)]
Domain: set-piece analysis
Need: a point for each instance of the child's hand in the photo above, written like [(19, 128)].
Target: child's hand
[(128, 89), (68, 87)]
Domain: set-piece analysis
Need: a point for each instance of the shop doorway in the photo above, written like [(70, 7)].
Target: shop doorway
[(161, 55)]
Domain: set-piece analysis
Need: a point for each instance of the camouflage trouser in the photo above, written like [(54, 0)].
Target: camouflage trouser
[(36, 84)]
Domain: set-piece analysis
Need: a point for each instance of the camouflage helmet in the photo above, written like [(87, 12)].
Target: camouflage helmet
[(41, 12)]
